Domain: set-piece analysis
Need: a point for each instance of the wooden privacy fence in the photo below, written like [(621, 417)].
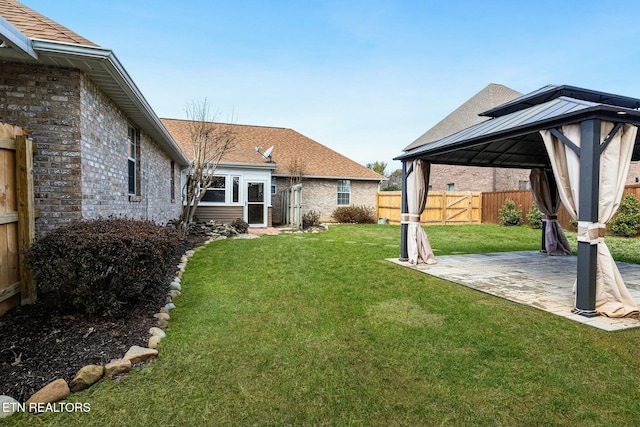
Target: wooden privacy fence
[(443, 207), (17, 217), (459, 207)]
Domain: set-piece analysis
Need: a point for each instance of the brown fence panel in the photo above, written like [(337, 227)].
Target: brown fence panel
[(17, 218)]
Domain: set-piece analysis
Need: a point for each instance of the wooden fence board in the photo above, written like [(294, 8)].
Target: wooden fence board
[(443, 207)]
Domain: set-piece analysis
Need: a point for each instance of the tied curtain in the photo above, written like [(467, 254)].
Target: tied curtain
[(417, 187), (612, 297), (547, 198)]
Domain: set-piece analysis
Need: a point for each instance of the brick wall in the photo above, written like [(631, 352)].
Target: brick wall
[(473, 178), (104, 162), (321, 195), (80, 168)]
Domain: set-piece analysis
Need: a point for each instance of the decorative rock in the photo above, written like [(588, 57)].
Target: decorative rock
[(51, 393), (86, 377), (179, 274), (174, 293), (176, 279), (117, 367), (190, 253), (164, 310), (162, 316), (170, 306), (168, 299), (154, 340), (184, 260), (162, 324), (157, 331), (8, 406), (137, 354), (175, 286), (182, 266)]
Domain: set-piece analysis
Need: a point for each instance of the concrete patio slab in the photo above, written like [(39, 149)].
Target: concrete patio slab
[(531, 278)]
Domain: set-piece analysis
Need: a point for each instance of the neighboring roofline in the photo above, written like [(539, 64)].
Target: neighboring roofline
[(354, 178), (124, 85), (15, 39), (598, 111)]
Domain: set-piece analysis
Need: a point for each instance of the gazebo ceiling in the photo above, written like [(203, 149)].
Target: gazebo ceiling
[(511, 138)]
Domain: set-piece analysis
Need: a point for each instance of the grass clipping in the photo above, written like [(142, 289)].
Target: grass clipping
[(404, 312)]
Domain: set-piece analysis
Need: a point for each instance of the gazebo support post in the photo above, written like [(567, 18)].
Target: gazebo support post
[(404, 253), (588, 212)]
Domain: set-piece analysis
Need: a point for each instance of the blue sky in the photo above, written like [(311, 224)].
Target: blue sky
[(363, 77)]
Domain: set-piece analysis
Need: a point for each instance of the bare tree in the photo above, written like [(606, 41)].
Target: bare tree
[(296, 169), (210, 142)]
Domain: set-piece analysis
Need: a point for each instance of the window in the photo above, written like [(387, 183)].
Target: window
[(273, 185), (217, 190), (344, 192), (173, 181), (523, 184), (236, 189), (430, 188), (133, 162), (451, 186)]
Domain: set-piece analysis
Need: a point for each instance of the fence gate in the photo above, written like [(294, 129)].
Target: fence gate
[(17, 216), (292, 206), (443, 207)]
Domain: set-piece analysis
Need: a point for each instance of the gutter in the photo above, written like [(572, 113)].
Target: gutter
[(112, 66)]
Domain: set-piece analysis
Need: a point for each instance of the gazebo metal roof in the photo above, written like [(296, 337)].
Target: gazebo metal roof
[(511, 138)]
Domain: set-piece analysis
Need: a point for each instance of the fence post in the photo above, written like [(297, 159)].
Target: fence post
[(26, 214)]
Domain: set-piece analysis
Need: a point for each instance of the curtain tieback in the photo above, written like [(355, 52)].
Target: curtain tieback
[(552, 217), (591, 232), (406, 218)]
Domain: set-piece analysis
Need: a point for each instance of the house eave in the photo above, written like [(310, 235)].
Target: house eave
[(16, 44), (240, 165), (104, 68), (352, 178)]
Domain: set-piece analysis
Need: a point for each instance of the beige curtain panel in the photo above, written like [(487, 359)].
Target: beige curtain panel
[(545, 193), (418, 246), (612, 297)]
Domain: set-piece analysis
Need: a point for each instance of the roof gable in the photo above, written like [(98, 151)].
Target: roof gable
[(289, 148), (468, 113), (513, 139)]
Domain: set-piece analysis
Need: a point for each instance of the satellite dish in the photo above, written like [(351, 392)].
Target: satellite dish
[(267, 153)]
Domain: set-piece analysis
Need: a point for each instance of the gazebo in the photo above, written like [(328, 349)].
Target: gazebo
[(577, 142)]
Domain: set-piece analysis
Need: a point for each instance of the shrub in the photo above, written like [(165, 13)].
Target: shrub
[(240, 225), (354, 215), (534, 216), (509, 215), (627, 220), (103, 266), (310, 219)]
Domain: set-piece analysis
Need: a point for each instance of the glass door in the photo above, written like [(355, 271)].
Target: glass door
[(255, 204)]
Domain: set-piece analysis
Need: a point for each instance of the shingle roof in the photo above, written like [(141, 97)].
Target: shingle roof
[(467, 114), (289, 146), (37, 26)]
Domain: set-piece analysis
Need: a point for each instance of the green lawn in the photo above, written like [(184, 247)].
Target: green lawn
[(318, 329)]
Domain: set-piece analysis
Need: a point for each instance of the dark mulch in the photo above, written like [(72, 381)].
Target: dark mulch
[(38, 345)]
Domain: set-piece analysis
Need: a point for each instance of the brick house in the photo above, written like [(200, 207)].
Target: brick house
[(471, 178), (101, 150), (250, 185)]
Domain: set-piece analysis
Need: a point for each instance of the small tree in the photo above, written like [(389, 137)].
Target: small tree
[(534, 216), (627, 220), (509, 215), (296, 169), (210, 142), (378, 167)]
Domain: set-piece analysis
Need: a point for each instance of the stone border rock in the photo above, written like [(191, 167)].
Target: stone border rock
[(89, 375)]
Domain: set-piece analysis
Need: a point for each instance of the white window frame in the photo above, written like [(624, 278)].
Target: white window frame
[(343, 192)]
